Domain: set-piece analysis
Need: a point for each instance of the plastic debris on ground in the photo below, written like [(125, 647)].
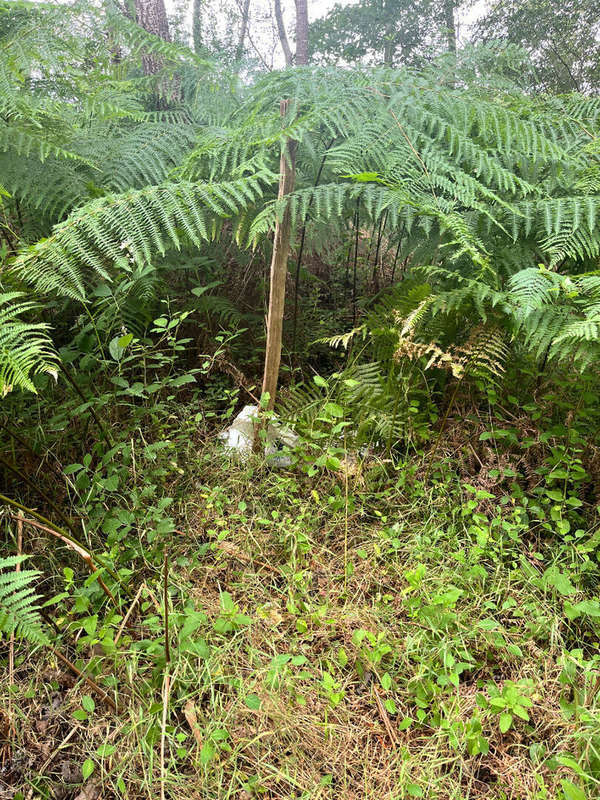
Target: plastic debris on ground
[(238, 438)]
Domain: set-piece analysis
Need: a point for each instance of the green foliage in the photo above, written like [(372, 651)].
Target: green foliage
[(455, 175), (18, 602), (425, 570), (25, 347), (561, 38), (393, 32), (130, 225)]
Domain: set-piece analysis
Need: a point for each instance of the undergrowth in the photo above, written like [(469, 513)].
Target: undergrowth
[(373, 628)]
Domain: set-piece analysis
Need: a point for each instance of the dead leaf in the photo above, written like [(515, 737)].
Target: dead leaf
[(91, 791), (192, 720)]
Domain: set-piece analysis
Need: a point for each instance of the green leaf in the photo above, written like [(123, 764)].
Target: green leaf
[(521, 712), (386, 681), (106, 750), (505, 722), (125, 341), (87, 768), (448, 598), (363, 177), (71, 468), (559, 581), (181, 380), (572, 792), (193, 621), (589, 607), (227, 603), (207, 753), (88, 703), (488, 624), (334, 410), (115, 349), (252, 701), (568, 761)]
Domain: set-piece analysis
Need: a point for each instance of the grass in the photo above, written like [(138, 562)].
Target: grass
[(349, 635)]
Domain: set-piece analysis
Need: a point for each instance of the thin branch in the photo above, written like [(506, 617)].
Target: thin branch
[(92, 684), (285, 45), (75, 546)]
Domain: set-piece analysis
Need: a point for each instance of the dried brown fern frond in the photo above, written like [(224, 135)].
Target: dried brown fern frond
[(485, 352), (483, 355)]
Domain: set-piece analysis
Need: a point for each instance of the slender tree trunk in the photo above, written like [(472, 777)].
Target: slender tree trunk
[(301, 32), (382, 223), (389, 36), (450, 25), (239, 52), (388, 52), (281, 249), (285, 45), (197, 25)]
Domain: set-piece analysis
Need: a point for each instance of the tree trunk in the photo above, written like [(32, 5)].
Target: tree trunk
[(152, 16), (450, 25), (388, 52), (239, 52), (197, 25), (281, 249), (301, 32), (285, 45)]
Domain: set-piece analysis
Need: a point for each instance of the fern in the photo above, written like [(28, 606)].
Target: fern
[(25, 348), (145, 155), (480, 183), (133, 224), (19, 609)]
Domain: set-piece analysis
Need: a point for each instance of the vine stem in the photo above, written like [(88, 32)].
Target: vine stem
[(77, 388), (77, 548)]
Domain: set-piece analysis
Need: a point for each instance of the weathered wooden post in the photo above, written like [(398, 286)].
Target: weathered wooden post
[(279, 260)]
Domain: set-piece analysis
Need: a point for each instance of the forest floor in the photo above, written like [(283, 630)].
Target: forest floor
[(347, 635)]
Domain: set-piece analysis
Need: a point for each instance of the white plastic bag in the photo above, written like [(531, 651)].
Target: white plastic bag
[(239, 437)]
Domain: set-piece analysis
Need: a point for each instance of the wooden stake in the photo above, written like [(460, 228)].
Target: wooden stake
[(281, 249)]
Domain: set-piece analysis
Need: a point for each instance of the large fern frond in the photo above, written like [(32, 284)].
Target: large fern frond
[(19, 603), (134, 224)]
